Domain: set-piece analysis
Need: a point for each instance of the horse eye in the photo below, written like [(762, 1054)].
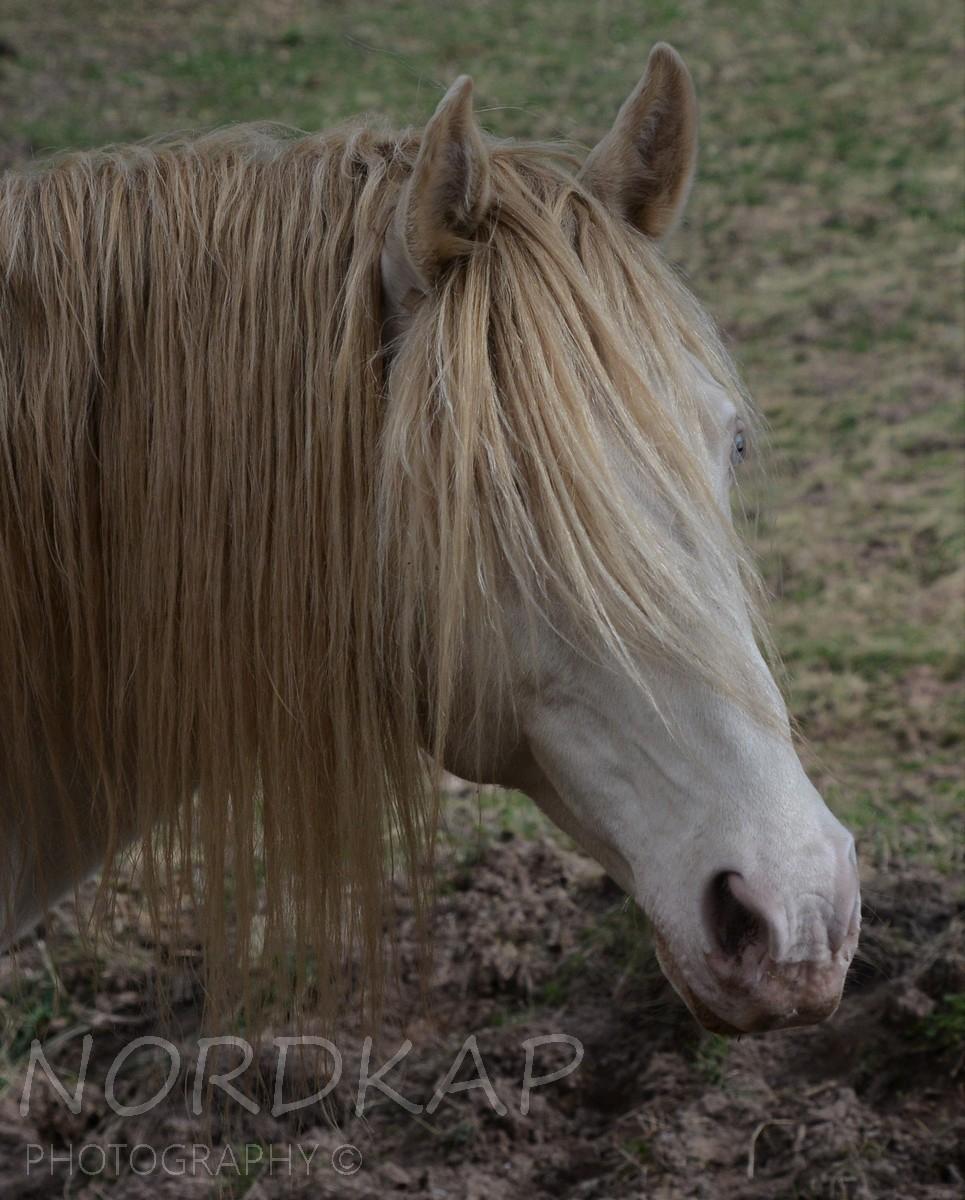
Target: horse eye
[(739, 449)]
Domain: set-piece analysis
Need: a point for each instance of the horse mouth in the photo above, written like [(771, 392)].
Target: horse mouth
[(756, 1015), (701, 1012)]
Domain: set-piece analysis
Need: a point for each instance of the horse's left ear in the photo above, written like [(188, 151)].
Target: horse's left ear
[(642, 170), (444, 200)]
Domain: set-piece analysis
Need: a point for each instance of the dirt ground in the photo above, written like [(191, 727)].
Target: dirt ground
[(530, 940)]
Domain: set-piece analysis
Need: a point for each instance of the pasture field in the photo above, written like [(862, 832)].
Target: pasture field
[(825, 234)]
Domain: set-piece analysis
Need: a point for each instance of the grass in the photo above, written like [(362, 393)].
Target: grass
[(945, 1027), (711, 1056), (825, 233), (32, 1008)]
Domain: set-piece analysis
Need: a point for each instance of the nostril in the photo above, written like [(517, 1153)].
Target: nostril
[(732, 924)]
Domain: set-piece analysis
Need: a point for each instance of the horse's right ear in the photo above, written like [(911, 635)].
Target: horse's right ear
[(442, 203), (643, 168)]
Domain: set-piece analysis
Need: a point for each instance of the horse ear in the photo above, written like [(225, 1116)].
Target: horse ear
[(642, 170), (444, 200)]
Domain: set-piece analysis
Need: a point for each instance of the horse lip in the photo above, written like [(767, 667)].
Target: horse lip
[(701, 1011), (758, 1020)]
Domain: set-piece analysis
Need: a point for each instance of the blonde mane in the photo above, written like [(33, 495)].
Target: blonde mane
[(242, 541)]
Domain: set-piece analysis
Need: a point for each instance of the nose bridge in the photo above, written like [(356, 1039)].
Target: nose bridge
[(758, 792), (776, 831)]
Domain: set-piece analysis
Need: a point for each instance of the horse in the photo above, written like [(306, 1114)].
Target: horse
[(327, 456)]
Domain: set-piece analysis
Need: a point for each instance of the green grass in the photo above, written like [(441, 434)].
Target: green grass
[(945, 1027), (35, 1006), (825, 232), (711, 1057)]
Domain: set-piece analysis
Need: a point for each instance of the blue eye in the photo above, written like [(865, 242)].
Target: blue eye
[(739, 449)]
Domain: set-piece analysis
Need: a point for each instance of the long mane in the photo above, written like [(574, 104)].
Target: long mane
[(240, 552)]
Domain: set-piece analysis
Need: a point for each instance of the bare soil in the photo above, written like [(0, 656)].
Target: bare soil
[(530, 940)]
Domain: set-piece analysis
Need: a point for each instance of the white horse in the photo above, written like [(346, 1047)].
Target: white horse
[(315, 451)]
